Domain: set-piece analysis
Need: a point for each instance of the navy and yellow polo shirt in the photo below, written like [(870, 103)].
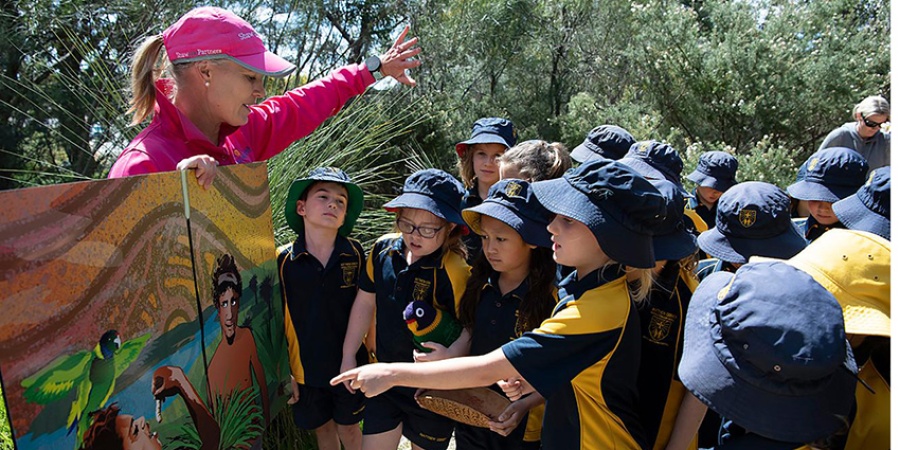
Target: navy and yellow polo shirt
[(318, 301), (472, 240), (708, 215), (811, 229), (662, 335), (439, 277), (584, 360)]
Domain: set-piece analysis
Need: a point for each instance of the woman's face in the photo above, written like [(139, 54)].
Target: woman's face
[(504, 248), (232, 90), (136, 434), (484, 162), (863, 122)]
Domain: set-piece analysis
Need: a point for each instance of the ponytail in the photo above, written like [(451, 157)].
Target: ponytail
[(560, 161), (145, 70)]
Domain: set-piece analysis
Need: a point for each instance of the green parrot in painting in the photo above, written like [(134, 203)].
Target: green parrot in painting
[(92, 373)]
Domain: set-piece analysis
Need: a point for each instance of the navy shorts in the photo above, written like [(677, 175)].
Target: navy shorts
[(318, 405), (422, 427), (469, 437)]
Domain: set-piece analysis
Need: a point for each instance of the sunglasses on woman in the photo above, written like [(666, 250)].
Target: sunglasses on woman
[(871, 124)]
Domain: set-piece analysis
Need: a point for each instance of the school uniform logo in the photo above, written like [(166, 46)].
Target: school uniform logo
[(660, 324), (348, 273), (420, 289), (747, 217), (513, 189), (812, 164)]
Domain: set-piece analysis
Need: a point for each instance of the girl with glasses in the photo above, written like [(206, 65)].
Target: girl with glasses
[(424, 262)]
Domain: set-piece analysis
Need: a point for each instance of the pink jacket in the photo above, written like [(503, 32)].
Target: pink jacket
[(273, 125)]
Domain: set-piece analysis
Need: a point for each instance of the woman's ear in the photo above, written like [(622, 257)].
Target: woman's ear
[(203, 69)]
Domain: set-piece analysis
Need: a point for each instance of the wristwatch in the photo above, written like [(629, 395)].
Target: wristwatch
[(373, 63)]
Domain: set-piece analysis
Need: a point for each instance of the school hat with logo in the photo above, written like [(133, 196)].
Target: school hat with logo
[(618, 205), (715, 170), (855, 266), (775, 360), (512, 202), (432, 190), (831, 174), (605, 141), (329, 174), (671, 241), (870, 209), (214, 33), (489, 130), (656, 161), (752, 218)]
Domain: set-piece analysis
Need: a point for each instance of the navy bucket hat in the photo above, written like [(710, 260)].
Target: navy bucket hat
[(324, 174), (831, 174), (715, 170), (656, 161), (489, 130), (671, 241), (617, 204), (605, 141), (775, 360), (434, 191), (870, 209), (512, 202), (752, 219)]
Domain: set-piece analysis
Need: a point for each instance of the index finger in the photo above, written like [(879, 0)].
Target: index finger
[(349, 375), (402, 36)]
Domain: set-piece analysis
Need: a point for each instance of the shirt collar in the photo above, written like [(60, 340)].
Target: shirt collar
[(341, 245), (493, 283), (577, 287)]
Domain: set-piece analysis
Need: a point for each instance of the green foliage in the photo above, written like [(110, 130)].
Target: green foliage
[(239, 417), (764, 161), (6, 440)]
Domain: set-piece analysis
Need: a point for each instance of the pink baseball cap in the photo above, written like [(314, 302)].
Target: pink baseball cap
[(214, 33)]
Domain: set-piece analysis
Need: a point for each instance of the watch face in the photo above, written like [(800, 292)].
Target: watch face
[(373, 63)]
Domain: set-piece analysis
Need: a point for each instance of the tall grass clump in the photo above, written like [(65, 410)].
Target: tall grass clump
[(6, 440)]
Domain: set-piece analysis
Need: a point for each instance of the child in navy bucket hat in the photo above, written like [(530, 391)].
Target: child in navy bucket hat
[(752, 219), (605, 141), (774, 361), (662, 322), (590, 346), (424, 262), (715, 174), (831, 174), (656, 161), (479, 166), (319, 274), (870, 208), (512, 290)]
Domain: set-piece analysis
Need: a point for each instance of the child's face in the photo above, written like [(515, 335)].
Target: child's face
[(508, 170), (503, 247), (708, 195), (484, 162), (421, 221), (822, 212), (325, 205), (574, 245)]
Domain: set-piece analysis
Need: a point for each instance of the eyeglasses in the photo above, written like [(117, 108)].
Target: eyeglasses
[(871, 124), (426, 232)]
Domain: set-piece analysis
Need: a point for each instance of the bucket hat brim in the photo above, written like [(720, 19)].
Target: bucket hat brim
[(739, 250), (531, 232), (582, 153), (784, 418), (855, 215), (652, 173), (704, 180), (355, 200), (618, 242), (483, 138), (809, 190), (420, 201), (674, 246)]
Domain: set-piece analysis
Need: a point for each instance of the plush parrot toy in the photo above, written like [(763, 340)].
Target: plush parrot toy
[(429, 324), (92, 373)]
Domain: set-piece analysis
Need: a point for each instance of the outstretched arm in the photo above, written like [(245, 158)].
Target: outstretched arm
[(454, 373), (169, 381)]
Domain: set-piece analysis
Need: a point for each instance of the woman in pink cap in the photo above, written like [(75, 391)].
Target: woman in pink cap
[(206, 113)]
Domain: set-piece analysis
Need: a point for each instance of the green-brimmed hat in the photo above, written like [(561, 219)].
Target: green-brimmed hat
[(324, 174)]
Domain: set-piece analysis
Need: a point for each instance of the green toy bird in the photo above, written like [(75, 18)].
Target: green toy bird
[(92, 373), (429, 324)]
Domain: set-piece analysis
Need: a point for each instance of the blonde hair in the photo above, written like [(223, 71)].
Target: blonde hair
[(147, 65), (466, 171), (538, 160), (872, 105), (640, 281)]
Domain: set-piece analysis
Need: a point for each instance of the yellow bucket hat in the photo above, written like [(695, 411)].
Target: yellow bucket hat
[(855, 266)]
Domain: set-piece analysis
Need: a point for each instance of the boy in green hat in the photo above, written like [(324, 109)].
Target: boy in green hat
[(319, 273)]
